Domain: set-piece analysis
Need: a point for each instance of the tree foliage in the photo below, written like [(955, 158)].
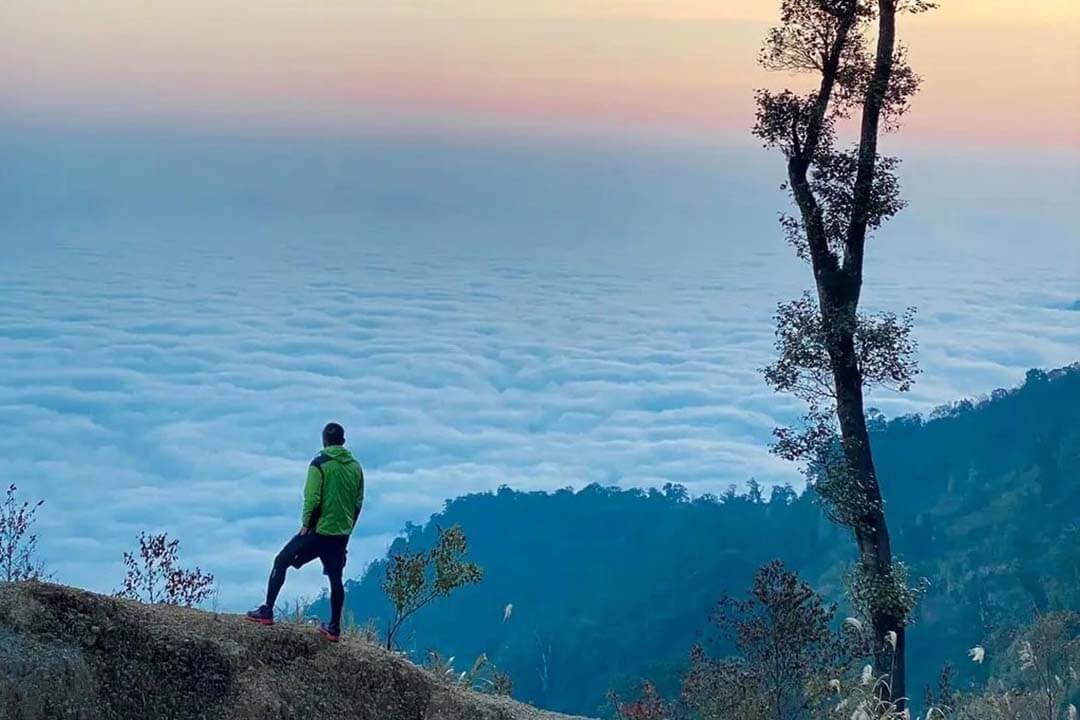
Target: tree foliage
[(415, 579), (154, 576), (787, 654), (884, 350)]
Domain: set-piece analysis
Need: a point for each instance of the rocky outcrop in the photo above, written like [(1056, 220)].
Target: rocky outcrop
[(67, 653)]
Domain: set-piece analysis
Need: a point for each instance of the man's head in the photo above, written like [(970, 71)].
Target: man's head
[(333, 434)]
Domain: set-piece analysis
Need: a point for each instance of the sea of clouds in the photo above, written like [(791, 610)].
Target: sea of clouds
[(180, 316)]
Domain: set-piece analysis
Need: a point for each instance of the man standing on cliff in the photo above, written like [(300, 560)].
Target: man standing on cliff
[(333, 496)]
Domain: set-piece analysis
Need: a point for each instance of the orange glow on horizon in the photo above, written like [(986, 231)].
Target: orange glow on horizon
[(996, 71)]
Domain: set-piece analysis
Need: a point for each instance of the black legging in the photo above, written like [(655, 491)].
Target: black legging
[(337, 599), (299, 550), (277, 578)]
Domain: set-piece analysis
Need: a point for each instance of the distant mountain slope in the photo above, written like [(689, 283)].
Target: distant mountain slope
[(611, 585), (67, 653)]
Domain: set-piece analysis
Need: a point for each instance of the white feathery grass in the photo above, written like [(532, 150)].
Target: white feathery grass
[(872, 700), (1027, 656), (854, 623)]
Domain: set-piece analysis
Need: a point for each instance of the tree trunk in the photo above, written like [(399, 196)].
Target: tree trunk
[(872, 532), (839, 285)]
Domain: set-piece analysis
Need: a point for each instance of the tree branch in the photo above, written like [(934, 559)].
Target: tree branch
[(829, 76), (823, 259), (868, 143)]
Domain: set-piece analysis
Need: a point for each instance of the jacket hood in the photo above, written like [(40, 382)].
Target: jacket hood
[(339, 453)]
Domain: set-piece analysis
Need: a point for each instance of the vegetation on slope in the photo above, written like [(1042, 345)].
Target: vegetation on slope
[(609, 585)]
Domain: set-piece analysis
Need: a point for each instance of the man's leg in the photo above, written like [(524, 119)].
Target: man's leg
[(296, 552), (332, 554), (337, 599)]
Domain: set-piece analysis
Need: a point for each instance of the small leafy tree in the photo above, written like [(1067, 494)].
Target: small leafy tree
[(153, 576), (18, 544), (789, 658), (414, 580), (1048, 655)]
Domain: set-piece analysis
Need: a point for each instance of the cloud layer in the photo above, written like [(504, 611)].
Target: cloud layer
[(179, 319)]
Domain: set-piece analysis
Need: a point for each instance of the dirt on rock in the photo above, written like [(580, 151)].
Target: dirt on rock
[(70, 654)]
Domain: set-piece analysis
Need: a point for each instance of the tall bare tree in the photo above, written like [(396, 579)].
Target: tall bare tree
[(828, 351)]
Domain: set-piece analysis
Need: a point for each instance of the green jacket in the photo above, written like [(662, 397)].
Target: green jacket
[(333, 493)]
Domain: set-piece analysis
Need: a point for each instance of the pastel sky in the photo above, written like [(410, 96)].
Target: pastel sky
[(996, 71)]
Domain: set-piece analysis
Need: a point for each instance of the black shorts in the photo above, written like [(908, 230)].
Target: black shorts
[(330, 549)]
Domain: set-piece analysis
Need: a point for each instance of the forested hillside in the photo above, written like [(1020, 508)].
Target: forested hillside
[(609, 585)]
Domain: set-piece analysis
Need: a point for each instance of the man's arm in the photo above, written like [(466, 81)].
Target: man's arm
[(312, 499)]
